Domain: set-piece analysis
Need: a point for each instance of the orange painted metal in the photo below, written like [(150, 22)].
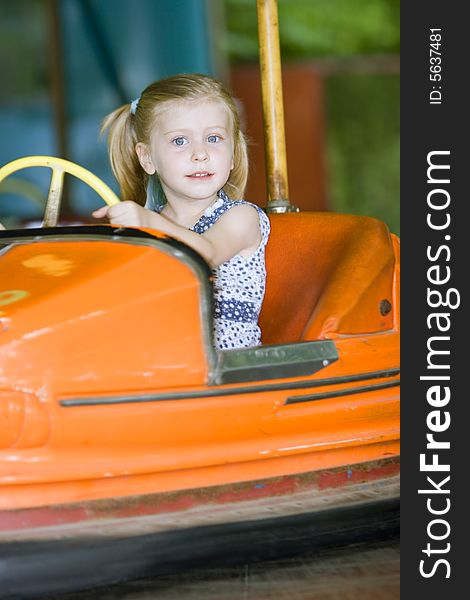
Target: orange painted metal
[(119, 323), (329, 275)]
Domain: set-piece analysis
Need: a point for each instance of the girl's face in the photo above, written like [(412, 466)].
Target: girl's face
[(191, 150)]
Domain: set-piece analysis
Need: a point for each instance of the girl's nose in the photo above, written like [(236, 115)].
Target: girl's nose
[(199, 153)]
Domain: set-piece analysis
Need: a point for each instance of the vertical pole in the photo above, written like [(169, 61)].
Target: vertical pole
[(56, 74), (273, 110)]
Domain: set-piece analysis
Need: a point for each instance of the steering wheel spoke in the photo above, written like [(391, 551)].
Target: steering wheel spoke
[(51, 214)]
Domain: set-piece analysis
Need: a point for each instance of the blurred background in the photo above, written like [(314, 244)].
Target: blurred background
[(67, 63)]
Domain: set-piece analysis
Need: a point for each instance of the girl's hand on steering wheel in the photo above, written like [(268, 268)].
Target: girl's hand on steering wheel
[(128, 213)]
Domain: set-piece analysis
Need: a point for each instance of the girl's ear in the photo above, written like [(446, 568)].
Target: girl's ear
[(145, 159)]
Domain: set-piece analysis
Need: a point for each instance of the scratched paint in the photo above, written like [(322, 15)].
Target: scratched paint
[(10, 296), (50, 264)]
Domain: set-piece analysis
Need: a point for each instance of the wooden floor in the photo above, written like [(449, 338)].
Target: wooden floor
[(357, 572)]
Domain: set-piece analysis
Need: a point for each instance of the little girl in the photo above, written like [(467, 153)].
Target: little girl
[(185, 132)]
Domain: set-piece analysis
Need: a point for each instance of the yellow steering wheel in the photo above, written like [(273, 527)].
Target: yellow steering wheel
[(59, 166)]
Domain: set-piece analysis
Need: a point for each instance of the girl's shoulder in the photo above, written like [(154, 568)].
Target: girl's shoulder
[(225, 203)]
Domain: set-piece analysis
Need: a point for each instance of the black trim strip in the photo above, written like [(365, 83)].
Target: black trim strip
[(210, 393), (345, 392)]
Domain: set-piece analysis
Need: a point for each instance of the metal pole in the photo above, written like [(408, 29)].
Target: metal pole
[(273, 111), (56, 74), (57, 80)]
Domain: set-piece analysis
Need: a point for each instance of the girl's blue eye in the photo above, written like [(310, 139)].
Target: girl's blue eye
[(179, 141), (212, 139)]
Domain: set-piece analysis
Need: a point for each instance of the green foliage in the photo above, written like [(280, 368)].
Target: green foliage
[(23, 48), (313, 28), (364, 146)]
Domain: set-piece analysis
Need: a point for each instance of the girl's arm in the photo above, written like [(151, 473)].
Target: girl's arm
[(236, 232)]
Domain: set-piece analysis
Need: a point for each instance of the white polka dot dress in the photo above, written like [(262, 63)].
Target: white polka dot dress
[(239, 283)]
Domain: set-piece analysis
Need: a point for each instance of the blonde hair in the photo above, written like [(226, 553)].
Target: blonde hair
[(126, 128)]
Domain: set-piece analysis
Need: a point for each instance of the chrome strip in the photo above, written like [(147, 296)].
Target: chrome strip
[(4, 248), (274, 361)]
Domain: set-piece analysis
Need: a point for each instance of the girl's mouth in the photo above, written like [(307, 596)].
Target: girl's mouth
[(200, 175)]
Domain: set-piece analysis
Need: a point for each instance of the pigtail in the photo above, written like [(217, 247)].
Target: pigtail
[(125, 164), (236, 184)]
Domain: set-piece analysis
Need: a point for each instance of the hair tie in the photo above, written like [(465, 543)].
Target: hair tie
[(134, 105)]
